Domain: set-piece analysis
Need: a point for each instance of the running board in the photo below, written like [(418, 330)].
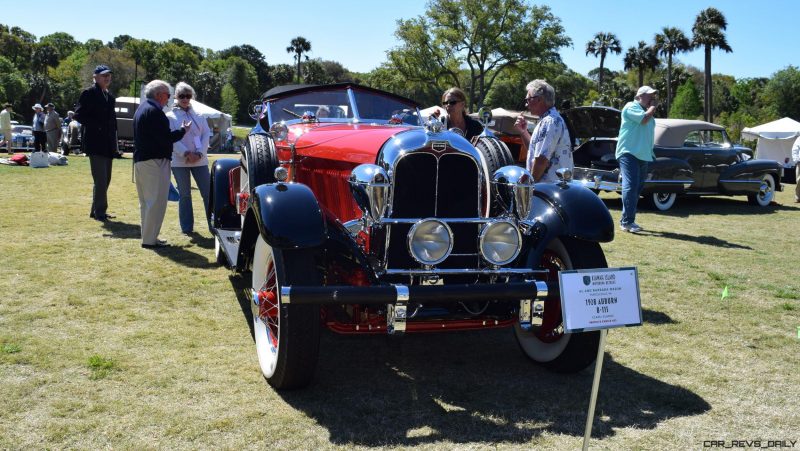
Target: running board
[(228, 240)]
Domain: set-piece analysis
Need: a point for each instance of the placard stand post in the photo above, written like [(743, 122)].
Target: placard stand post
[(598, 368)]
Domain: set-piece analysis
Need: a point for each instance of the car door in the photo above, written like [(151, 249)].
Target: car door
[(717, 155)]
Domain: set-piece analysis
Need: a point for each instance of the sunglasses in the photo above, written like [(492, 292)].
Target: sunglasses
[(185, 96), (450, 103)]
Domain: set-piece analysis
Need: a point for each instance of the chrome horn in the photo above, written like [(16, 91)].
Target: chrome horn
[(369, 184), (514, 187)]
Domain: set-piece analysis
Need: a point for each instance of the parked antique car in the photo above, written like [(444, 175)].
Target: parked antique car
[(71, 138), (21, 137), (368, 222), (692, 158)]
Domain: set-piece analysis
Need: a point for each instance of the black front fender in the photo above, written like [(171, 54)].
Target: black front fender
[(288, 216), (222, 213), (570, 210)]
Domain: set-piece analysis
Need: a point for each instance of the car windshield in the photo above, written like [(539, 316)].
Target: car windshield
[(334, 105)]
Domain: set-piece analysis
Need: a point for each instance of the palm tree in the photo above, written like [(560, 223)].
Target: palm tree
[(642, 57), (601, 45), (298, 46), (709, 33), (670, 41)]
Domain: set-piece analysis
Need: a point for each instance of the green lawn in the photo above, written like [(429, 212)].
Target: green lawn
[(107, 345)]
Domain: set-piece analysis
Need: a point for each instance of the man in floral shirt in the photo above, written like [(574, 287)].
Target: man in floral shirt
[(549, 149)]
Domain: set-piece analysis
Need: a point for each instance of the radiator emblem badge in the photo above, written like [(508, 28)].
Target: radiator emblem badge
[(439, 146)]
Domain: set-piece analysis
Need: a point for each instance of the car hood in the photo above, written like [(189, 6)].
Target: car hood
[(355, 143), (593, 121)]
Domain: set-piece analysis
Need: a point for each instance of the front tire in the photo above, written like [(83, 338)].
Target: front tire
[(548, 345), (661, 201), (286, 336), (765, 194)]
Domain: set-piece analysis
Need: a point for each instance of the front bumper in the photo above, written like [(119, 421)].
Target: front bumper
[(396, 298)]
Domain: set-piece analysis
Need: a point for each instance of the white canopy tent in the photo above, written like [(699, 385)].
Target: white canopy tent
[(775, 140)]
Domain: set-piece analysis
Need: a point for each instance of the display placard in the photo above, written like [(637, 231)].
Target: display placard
[(594, 299)]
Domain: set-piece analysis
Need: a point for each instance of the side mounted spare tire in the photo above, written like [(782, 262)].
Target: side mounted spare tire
[(495, 152), (260, 160)]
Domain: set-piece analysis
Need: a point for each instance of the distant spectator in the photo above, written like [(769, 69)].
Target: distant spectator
[(39, 136), (5, 126), (95, 112), (68, 119), (153, 142), (189, 155), (52, 128)]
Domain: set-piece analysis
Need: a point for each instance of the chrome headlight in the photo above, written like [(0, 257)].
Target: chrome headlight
[(514, 187), (279, 131), (430, 241), (500, 242), (369, 184)]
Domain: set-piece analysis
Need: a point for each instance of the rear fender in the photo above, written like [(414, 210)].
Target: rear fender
[(222, 213), (566, 210)]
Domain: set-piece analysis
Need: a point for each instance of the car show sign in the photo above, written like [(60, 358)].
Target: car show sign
[(594, 299), (599, 299)]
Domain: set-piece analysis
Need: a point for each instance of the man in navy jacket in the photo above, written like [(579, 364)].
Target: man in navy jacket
[(95, 112), (151, 158)]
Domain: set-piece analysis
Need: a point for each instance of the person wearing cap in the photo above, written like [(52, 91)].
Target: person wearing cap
[(549, 147), (39, 136), (152, 153), (5, 126), (52, 128), (95, 112), (634, 151)]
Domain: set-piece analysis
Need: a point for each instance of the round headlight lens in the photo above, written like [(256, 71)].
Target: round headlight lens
[(500, 242), (430, 241)]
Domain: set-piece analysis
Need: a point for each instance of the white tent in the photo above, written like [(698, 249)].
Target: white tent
[(775, 140)]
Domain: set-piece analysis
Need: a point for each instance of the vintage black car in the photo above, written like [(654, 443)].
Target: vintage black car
[(368, 221), (692, 158)]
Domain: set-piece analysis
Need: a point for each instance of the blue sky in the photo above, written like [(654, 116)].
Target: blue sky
[(357, 33)]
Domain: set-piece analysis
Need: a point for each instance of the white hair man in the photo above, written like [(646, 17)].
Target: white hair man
[(151, 158), (549, 147)]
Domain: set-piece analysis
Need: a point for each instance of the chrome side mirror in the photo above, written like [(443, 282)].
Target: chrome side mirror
[(514, 188), (369, 184), (485, 117)]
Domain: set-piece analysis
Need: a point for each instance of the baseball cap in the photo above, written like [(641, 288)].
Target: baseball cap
[(102, 69), (646, 90)]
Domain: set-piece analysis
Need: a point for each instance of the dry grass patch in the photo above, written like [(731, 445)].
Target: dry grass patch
[(107, 345)]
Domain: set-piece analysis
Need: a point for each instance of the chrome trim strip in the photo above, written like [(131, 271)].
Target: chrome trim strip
[(397, 313), (286, 295), (677, 182), (458, 271), (351, 95), (758, 181)]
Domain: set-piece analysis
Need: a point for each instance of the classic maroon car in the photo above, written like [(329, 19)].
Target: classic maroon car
[(352, 214)]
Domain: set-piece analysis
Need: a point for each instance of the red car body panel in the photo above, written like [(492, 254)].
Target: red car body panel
[(327, 153)]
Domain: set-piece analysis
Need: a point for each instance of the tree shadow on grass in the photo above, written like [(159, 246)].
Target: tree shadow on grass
[(466, 387), (470, 388)]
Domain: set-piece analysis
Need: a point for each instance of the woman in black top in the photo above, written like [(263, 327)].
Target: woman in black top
[(454, 102)]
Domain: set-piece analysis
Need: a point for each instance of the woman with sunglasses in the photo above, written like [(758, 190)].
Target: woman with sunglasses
[(454, 102), (189, 155)]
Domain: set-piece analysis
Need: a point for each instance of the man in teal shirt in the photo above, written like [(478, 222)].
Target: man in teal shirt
[(634, 151)]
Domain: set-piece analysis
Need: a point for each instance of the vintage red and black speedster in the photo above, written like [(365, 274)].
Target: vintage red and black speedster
[(354, 213)]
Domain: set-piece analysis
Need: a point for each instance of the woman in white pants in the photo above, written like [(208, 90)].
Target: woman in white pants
[(189, 156)]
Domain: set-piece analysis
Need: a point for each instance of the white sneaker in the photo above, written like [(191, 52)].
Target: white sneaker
[(632, 227)]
